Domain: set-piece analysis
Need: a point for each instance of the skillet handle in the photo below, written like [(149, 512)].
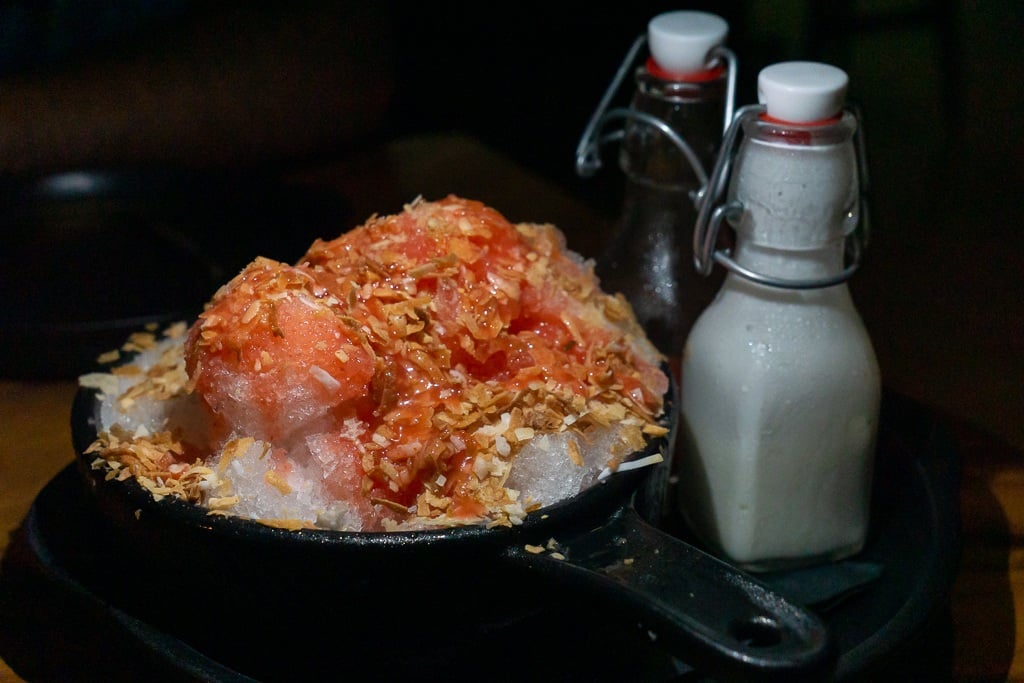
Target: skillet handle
[(707, 613)]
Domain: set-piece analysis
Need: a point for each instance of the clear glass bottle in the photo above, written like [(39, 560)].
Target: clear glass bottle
[(672, 130), (780, 384)]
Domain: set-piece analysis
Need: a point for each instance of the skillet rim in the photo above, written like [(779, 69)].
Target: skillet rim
[(128, 500)]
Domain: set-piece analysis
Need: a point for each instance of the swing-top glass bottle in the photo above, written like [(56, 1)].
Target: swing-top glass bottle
[(669, 137), (780, 384)]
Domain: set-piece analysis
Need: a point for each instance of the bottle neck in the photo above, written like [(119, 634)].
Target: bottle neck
[(823, 261), (799, 192), (694, 110)]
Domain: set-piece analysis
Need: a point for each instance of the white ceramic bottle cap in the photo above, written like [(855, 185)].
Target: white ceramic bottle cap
[(802, 92), (680, 41)]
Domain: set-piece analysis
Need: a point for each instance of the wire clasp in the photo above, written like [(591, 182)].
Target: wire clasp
[(712, 211), (588, 151)]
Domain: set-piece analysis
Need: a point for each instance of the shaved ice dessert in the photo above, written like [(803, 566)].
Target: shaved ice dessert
[(437, 367)]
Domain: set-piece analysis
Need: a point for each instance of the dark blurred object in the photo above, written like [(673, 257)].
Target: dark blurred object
[(91, 256), (191, 84), (523, 79), (38, 33)]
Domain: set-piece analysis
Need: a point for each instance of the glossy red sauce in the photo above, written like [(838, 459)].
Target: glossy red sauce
[(402, 325)]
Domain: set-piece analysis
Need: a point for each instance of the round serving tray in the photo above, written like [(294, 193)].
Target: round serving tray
[(889, 620)]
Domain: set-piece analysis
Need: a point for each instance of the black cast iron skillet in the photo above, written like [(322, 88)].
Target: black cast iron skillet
[(441, 599)]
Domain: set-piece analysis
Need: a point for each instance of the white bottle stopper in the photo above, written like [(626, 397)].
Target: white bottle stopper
[(680, 42), (802, 92)]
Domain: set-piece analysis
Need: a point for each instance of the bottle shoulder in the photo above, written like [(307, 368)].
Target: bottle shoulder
[(800, 356), (748, 321)]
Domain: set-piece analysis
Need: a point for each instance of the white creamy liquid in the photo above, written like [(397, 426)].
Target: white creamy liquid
[(780, 387)]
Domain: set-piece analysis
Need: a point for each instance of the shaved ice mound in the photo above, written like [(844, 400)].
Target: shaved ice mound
[(437, 367)]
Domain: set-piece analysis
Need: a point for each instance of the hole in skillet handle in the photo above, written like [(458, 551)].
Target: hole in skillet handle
[(757, 632), (706, 613)]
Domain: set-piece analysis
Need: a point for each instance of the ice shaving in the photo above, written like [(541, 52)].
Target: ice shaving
[(436, 367)]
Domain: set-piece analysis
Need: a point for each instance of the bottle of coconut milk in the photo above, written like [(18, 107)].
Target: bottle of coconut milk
[(780, 384)]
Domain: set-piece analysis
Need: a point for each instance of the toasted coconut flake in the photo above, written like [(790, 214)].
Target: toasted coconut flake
[(287, 524), (647, 461), (574, 453), (397, 507), (106, 383), (278, 482), (325, 378), (251, 312), (524, 433), (235, 448), (109, 357), (224, 503), (655, 430)]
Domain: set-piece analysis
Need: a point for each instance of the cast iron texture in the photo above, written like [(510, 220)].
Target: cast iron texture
[(597, 550)]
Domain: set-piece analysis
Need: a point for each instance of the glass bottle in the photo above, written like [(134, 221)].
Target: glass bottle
[(780, 384), (671, 134)]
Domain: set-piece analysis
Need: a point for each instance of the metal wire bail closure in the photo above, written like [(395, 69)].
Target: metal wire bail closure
[(711, 213), (588, 151)]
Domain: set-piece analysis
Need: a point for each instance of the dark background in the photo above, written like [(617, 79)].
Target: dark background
[(938, 83)]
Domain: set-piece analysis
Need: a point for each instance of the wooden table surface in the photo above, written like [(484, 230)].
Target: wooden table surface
[(988, 594)]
